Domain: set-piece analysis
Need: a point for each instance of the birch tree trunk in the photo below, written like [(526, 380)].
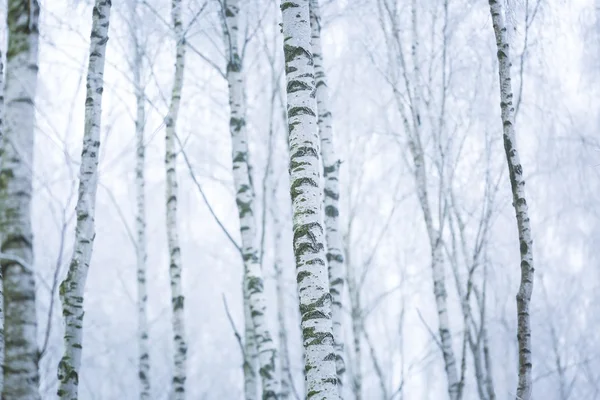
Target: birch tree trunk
[(517, 183), (250, 355), (141, 252), (254, 285), (72, 288), (284, 355), (1, 277), (306, 193), (411, 112), (331, 168), (437, 263), (21, 377), (179, 341), (357, 332)]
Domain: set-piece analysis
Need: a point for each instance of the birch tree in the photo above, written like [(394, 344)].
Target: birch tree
[(331, 167), (254, 285), (357, 328), (1, 288), (179, 338), (72, 288), (135, 27), (21, 357), (408, 93), (287, 383), (474, 319), (306, 194), (250, 354), (517, 183)]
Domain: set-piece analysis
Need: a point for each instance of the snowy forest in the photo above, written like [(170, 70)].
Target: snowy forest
[(299, 199)]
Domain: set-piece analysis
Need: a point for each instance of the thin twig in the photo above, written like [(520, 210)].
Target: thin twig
[(111, 196), (57, 268), (433, 336), (238, 337), (210, 209)]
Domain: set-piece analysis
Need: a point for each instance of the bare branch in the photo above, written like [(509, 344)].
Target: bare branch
[(210, 209)]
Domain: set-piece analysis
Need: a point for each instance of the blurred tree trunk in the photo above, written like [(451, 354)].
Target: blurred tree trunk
[(357, 320), (306, 193), (331, 167), (284, 356), (21, 377), (175, 268), (250, 354), (1, 278), (73, 287), (137, 65)]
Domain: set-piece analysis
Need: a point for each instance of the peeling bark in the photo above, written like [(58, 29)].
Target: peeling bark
[(72, 288)]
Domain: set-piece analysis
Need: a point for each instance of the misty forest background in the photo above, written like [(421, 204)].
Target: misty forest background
[(390, 324)]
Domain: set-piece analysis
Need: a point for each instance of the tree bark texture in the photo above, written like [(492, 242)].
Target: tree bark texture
[(517, 183), (72, 288), (175, 267), (140, 221), (245, 200), (306, 194), (331, 168), (21, 377)]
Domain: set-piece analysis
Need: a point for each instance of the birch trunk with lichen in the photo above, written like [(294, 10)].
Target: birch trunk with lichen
[(306, 194), (140, 220), (245, 196), (73, 287), (177, 300), (331, 168), (21, 357), (517, 183)]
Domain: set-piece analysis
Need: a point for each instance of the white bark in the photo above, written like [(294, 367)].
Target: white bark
[(267, 353), (306, 193), (357, 327), (517, 181), (411, 117), (331, 167), (250, 355), (489, 381), (21, 377), (179, 341), (72, 288), (1, 278), (284, 355), (141, 251), (437, 267)]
